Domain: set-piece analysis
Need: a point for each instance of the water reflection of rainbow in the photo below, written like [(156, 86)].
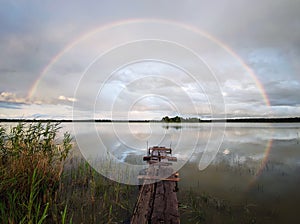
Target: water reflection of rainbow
[(262, 165), (193, 29)]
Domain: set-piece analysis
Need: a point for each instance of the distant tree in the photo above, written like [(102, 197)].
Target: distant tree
[(177, 119), (166, 119), (172, 119)]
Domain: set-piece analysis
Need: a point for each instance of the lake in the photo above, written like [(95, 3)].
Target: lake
[(253, 164), (254, 168), (256, 165)]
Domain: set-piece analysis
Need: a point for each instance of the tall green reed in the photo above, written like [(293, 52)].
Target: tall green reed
[(31, 163)]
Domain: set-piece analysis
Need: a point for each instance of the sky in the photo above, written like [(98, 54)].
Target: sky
[(150, 58)]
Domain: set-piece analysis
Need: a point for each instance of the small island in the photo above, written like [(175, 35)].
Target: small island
[(178, 119)]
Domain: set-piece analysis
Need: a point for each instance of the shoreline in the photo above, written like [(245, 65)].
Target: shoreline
[(229, 120)]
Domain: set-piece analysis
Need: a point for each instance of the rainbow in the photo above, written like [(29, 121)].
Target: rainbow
[(83, 37), (218, 42)]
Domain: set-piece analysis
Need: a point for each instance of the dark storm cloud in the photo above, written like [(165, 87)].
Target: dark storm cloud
[(284, 92)]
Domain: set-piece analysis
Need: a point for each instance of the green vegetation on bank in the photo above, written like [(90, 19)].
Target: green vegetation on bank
[(178, 119), (203, 208), (31, 164), (41, 183)]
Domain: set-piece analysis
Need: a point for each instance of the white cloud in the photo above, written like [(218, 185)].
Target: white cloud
[(12, 98), (64, 98)]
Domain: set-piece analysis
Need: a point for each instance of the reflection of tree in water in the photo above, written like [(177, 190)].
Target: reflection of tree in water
[(177, 127), (178, 119)]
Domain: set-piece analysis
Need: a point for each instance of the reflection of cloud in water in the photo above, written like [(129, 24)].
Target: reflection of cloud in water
[(233, 174), (226, 151), (243, 145)]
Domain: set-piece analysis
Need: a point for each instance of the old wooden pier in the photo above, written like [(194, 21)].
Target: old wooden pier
[(157, 200)]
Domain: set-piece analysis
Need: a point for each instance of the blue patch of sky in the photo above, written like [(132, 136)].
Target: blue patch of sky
[(10, 105)]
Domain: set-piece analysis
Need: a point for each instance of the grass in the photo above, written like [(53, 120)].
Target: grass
[(31, 163), (203, 208), (41, 183), (92, 198)]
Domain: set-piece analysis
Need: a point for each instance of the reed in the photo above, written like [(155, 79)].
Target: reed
[(93, 198), (40, 182), (31, 163)]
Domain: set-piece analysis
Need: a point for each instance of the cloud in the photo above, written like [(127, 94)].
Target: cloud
[(265, 36), (69, 99), (260, 23), (10, 97), (283, 92)]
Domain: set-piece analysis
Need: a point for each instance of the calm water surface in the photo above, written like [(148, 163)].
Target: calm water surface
[(256, 165)]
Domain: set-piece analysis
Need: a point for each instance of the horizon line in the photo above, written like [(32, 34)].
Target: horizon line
[(245, 119)]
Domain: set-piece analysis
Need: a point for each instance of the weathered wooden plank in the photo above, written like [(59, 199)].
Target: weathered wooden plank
[(158, 213), (144, 204), (157, 163), (170, 158), (171, 208), (145, 177), (165, 208), (157, 202)]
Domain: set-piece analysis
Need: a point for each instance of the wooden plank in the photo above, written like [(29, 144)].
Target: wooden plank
[(171, 206), (145, 200), (158, 215), (157, 202), (171, 158), (165, 208), (157, 163), (144, 206), (145, 177)]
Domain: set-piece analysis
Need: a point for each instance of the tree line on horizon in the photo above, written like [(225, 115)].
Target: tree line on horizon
[(178, 119), (165, 119)]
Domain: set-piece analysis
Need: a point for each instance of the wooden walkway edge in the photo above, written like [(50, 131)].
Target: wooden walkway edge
[(157, 201)]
